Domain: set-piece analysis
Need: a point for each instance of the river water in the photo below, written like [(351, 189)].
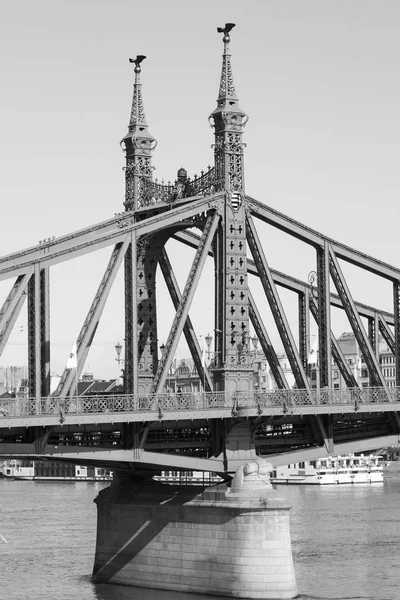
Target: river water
[(345, 542)]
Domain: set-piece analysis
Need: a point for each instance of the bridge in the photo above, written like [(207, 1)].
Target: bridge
[(176, 431), (231, 422)]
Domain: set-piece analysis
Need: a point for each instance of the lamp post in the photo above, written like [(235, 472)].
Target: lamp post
[(312, 278), (118, 349), (208, 338), (120, 361)]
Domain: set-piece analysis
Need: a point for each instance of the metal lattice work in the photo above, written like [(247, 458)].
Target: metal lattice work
[(187, 296), (276, 306), (324, 320), (284, 399), (352, 314), (396, 311)]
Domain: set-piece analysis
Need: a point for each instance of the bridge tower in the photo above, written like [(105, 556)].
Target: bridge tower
[(224, 234), (232, 371), (140, 259)]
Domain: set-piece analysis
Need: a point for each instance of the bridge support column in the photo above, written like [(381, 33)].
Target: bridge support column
[(226, 541)]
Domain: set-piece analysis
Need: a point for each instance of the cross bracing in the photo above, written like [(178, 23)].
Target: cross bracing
[(216, 205)]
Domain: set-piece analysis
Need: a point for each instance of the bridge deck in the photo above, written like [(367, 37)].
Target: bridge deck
[(211, 405)]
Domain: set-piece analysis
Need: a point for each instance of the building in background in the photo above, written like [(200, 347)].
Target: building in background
[(14, 381)]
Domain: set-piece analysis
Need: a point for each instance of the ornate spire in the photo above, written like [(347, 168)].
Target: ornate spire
[(227, 99), (137, 113), (227, 87), (232, 313), (228, 120), (137, 123), (138, 145)]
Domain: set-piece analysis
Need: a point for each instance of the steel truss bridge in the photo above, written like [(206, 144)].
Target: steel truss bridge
[(144, 429)]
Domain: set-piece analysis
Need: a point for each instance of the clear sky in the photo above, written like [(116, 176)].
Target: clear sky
[(318, 79)]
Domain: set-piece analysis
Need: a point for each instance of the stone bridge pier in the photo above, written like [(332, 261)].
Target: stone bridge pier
[(227, 540)]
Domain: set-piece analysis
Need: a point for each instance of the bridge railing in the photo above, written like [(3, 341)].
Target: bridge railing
[(209, 401)]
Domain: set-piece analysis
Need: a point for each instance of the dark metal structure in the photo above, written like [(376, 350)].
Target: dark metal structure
[(216, 204)]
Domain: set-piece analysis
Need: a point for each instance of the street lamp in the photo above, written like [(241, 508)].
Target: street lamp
[(118, 348), (208, 338)]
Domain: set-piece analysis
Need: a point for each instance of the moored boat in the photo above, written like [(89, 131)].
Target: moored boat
[(24, 470), (332, 470)]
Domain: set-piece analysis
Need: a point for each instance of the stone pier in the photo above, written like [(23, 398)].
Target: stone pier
[(228, 541)]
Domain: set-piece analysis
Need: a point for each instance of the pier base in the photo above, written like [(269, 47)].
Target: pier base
[(228, 541)]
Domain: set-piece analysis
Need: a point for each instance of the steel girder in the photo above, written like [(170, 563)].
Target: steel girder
[(145, 300), (131, 337), (276, 306), (12, 307), (396, 311), (186, 300), (387, 335), (188, 329), (324, 317), (304, 290), (219, 294), (316, 239), (39, 333), (266, 345), (367, 351), (90, 325), (291, 283), (304, 328), (101, 235)]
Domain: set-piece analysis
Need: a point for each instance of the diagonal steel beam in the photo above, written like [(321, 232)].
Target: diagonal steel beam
[(185, 302), (266, 345), (288, 282), (12, 306), (370, 359), (89, 327), (188, 328), (386, 333), (276, 305), (314, 238), (104, 234)]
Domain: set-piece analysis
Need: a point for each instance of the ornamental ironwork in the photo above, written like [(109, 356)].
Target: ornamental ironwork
[(287, 400)]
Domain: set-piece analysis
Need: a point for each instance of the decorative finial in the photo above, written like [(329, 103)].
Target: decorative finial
[(225, 30), (140, 58), (137, 112), (227, 87)]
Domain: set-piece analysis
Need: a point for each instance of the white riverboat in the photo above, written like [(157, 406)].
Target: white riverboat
[(332, 470), (27, 470)]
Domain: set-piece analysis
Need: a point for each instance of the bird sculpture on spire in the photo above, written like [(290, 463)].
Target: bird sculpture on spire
[(140, 58), (228, 27), (225, 30)]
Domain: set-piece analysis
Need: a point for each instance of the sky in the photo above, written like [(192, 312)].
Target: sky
[(318, 80)]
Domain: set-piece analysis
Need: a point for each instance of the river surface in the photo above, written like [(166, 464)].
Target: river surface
[(345, 542)]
